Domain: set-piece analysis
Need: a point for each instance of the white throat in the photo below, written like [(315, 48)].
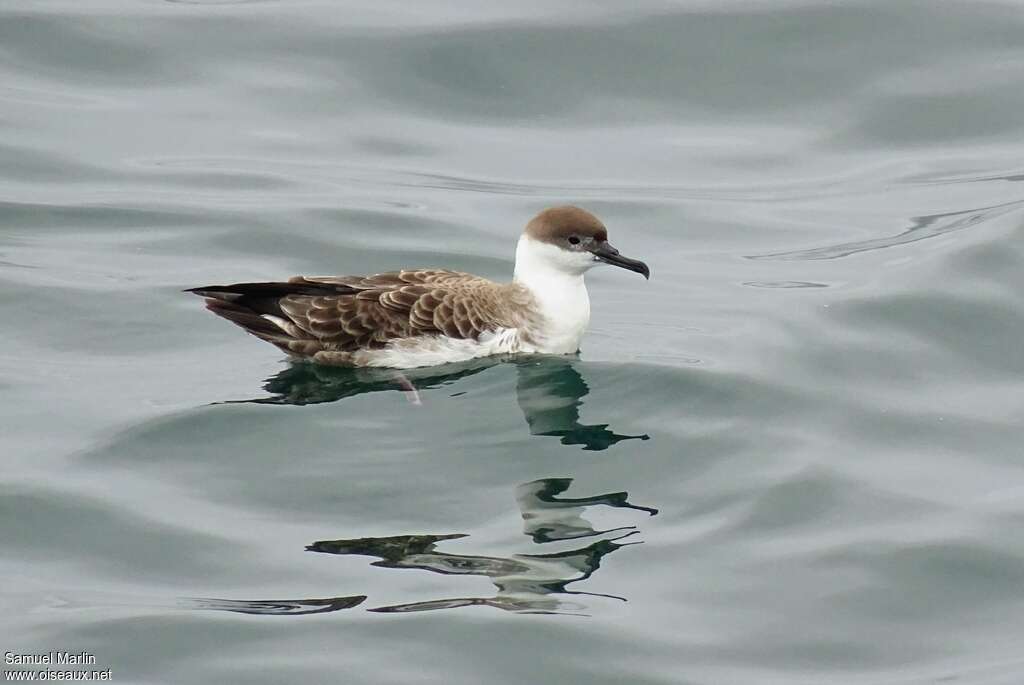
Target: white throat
[(555, 278)]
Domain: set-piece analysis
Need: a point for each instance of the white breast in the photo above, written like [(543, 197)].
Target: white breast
[(555, 278), (566, 314)]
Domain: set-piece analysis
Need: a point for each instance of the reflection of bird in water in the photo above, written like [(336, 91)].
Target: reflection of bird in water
[(549, 391), (526, 583), (277, 607), (303, 383), (546, 518)]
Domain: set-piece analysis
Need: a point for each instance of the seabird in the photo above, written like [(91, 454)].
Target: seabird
[(424, 317)]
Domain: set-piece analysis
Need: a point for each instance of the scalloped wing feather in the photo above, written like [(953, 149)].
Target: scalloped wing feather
[(397, 305)]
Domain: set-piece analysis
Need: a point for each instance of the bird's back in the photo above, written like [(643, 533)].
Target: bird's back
[(401, 318)]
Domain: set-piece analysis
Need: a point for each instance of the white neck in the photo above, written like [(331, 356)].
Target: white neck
[(556, 282)]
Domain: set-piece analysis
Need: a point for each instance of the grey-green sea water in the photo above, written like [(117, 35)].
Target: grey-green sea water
[(793, 456)]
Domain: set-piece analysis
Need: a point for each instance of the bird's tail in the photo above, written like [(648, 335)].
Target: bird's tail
[(250, 319), (256, 307)]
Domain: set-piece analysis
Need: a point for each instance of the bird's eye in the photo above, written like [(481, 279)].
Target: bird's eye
[(574, 240)]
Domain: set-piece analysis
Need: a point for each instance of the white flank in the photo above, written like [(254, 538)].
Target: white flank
[(430, 350)]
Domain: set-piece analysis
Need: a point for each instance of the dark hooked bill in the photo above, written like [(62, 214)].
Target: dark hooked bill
[(608, 254)]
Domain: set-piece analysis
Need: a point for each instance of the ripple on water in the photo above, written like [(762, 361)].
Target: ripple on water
[(784, 284), (922, 228)]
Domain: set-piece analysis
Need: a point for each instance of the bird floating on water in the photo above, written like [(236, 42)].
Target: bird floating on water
[(424, 317)]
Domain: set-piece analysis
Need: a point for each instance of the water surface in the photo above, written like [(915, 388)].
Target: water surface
[(793, 456)]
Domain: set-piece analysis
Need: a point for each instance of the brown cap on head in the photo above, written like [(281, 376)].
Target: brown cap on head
[(556, 224)]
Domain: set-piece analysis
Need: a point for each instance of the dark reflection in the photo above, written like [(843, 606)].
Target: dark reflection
[(278, 607), (547, 518), (526, 583), (921, 227), (303, 383), (549, 391)]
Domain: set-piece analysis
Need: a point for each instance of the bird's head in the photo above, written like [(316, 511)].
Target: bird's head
[(571, 240)]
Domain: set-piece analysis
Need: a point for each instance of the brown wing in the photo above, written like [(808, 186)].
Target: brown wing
[(380, 308)]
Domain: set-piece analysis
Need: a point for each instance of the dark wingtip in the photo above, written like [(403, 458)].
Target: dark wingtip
[(204, 291), (215, 293)]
